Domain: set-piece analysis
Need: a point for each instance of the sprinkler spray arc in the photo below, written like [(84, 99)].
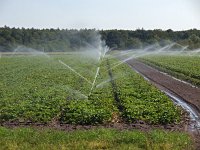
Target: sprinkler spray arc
[(75, 71), (102, 54)]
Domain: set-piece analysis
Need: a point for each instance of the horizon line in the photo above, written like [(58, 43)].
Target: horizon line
[(59, 28)]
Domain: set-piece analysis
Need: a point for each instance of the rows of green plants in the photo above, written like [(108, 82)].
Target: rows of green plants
[(142, 101), (37, 88), (183, 67), (41, 89), (44, 89), (98, 108)]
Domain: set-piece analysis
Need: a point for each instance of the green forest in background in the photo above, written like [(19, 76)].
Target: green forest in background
[(62, 40)]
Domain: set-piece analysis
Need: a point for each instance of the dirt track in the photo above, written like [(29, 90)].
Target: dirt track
[(187, 92)]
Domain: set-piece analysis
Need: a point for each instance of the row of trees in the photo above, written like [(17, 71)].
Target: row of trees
[(70, 40), (126, 39), (47, 39)]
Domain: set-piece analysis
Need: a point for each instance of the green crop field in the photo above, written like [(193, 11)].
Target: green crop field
[(78, 89), (63, 87), (183, 67), (82, 75)]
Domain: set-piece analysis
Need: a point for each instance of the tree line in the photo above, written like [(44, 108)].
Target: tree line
[(50, 40)]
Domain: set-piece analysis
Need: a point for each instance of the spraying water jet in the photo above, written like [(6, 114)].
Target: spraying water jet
[(75, 72)]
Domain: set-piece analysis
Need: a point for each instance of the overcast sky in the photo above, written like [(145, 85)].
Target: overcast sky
[(101, 14)]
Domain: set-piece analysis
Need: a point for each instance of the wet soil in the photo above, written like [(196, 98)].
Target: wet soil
[(119, 125)]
